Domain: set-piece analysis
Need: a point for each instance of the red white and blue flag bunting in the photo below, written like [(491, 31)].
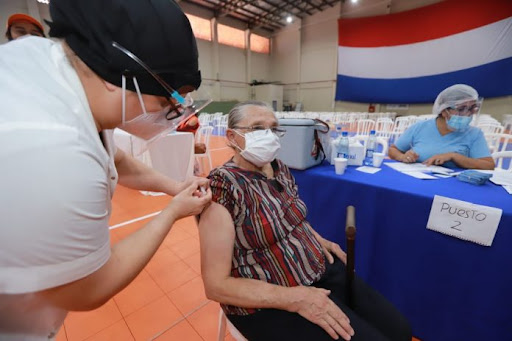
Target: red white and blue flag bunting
[(409, 57)]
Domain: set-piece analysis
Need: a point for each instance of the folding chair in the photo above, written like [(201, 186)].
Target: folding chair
[(498, 142), (491, 128), (364, 127), (223, 322), (499, 158)]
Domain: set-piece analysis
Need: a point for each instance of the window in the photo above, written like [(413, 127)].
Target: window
[(260, 44), (231, 36), (201, 27)]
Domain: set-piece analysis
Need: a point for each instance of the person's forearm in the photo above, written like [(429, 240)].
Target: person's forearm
[(128, 258), (136, 175), (251, 293), (471, 163), (316, 234), (395, 154)]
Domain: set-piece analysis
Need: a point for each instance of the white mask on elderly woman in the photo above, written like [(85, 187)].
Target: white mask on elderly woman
[(261, 147)]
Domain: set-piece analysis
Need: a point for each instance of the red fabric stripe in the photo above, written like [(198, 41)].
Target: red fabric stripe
[(426, 23)]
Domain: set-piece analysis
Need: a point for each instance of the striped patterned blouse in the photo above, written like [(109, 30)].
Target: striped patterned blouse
[(273, 240)]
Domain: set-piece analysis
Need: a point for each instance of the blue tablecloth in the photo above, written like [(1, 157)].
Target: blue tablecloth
[(449, 289)]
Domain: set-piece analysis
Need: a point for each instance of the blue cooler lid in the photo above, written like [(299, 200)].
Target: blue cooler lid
[(297, 122)]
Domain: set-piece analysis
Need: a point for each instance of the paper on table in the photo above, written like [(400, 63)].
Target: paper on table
[(464, 220), (366, 169), (417, 167), (508, 188), (502, 178), (421, 175), (443, 176)]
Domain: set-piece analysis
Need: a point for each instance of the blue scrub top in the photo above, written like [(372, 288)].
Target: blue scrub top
[(424, 138)]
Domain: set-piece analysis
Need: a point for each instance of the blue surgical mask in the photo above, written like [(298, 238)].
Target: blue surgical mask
[(458, 123)]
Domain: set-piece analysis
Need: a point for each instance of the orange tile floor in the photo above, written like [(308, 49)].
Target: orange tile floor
[(167, 300)]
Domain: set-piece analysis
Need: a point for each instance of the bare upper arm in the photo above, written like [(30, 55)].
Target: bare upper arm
[(217, 236), (119, 156)]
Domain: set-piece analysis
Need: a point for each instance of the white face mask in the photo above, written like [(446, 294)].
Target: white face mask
[(147, 126), (261, 147)]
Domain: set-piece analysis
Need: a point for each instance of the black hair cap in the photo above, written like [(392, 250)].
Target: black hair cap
[(156, 31)]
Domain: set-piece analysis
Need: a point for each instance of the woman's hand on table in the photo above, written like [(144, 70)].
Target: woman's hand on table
[(409, 156), (315, 305), (438, 159)]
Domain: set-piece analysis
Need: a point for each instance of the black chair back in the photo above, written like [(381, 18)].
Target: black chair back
[(350, 235)]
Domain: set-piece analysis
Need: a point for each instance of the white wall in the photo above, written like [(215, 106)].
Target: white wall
[(229, 70), (304, 58), (260, 67)]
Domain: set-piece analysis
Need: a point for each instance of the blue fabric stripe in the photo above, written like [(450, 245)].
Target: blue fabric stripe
[(490, 80)]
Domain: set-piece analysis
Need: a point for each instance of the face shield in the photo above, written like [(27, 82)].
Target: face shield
[(151, 126), (463, 113), (459, 101)]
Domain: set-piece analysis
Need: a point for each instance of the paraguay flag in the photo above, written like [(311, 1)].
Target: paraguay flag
[(409, 57)]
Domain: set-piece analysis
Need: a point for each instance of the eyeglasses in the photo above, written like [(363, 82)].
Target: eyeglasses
[(186, 106), (279, 132), (466, 110)]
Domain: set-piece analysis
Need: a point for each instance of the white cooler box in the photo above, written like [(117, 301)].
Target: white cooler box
[(298, 148)]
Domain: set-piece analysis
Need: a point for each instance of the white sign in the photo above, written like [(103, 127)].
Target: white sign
[(464, 220)]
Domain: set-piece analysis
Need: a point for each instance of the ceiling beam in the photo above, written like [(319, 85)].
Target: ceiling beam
[(229, 7), (294, 4), (210, 5), (312, 4), (270, 24), (267, 14), (277, 8), (200, 3), (330, 3)]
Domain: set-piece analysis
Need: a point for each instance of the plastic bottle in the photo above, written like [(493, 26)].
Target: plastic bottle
[(370, 148), (338, 131), (333, 131), (343, 145)]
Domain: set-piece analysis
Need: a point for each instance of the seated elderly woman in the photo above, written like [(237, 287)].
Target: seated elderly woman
[(275, 277), (448, 139)]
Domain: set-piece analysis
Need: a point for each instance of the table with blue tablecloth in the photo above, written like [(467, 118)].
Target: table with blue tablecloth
[(449, 289)]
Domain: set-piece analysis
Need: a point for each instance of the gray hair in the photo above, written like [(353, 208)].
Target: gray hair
[(240, 110)]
